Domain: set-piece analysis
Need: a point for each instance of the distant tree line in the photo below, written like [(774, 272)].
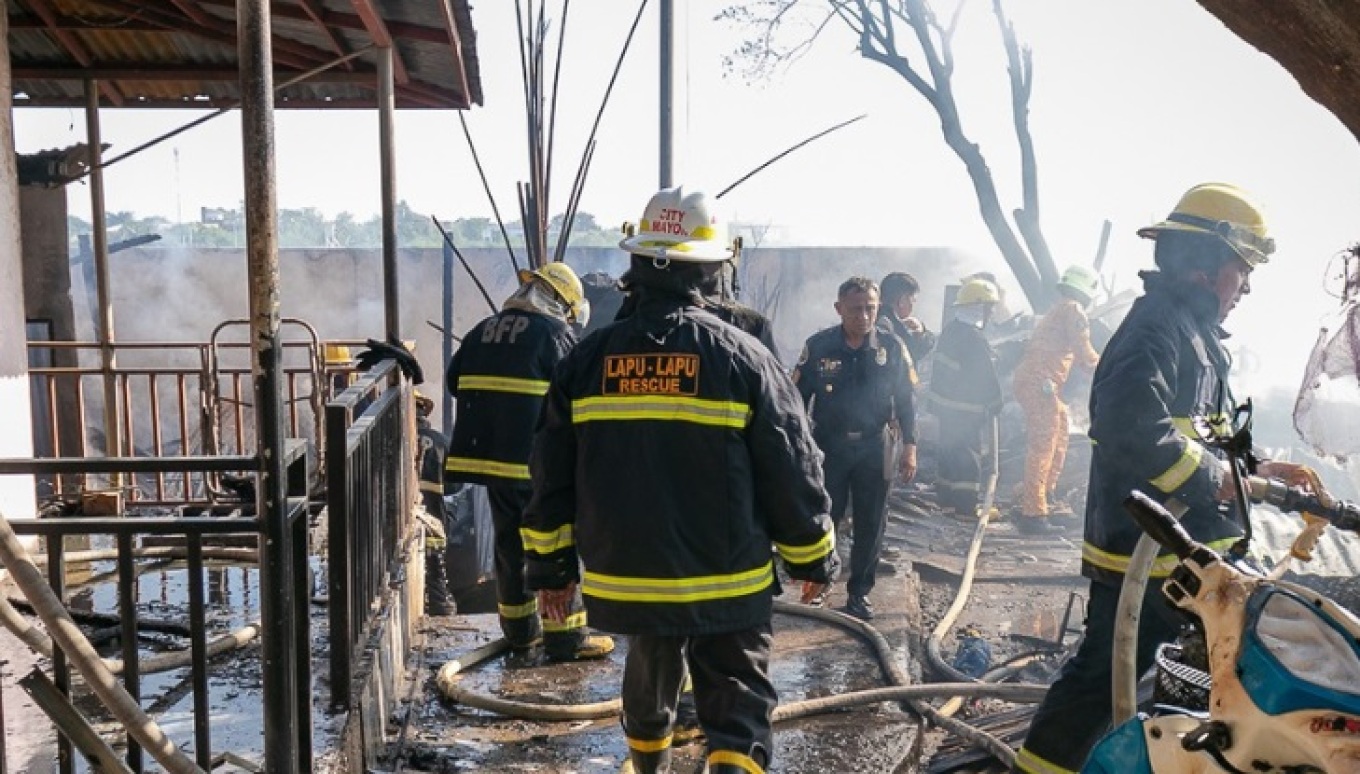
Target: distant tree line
[(308, 227)]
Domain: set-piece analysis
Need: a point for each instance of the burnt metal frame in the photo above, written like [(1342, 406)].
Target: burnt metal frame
[(294, 628), (368, 481)]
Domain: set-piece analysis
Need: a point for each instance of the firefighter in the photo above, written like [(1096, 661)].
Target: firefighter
[(430, 464), (899, 291), (1164, 366), (855, 379), (672, 461), (1061, 337), (499, 376), (965, 395)]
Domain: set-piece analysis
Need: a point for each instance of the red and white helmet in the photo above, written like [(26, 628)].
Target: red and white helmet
[(680, 226)]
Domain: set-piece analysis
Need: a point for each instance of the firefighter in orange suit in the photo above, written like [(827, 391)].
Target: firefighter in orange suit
[(672, 461), (499, 376), (1060, 338)]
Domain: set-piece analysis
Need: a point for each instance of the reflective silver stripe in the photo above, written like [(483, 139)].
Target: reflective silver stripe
[(957, 405), (678, 590), (661, 407), (1174, 477), (538, 387), (547, 542), (809, 553), (487, 467), (525, 610)]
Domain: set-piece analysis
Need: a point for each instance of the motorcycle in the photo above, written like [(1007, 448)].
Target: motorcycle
[(1283, 661)]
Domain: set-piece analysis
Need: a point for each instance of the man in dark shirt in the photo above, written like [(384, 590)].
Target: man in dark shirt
[(855, 381)]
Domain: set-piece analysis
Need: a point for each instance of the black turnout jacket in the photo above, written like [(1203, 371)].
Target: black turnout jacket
[(673, 459), (1164, 366)]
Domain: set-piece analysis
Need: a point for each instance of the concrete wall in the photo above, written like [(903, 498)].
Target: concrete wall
[(47, 297), (168, 294), (16, 432)]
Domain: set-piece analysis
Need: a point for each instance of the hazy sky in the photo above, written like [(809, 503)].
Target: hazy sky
[(1133, 103)]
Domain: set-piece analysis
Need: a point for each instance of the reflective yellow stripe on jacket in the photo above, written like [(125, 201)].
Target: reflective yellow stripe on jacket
[(666, 408), (544, 543), (937, 399), (678, 590), (537, 387), (1119, 563), (805, 554), (486, 467)]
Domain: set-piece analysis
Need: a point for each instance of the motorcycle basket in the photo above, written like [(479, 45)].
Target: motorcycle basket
[(1179, 684)]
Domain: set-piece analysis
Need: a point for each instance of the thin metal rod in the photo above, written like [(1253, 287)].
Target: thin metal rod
[(448, 240), (388, 173), (108, 358), (569, 219), (486, 186), (61, 671), (228, 107), (666, 92), (557, 78), (446, 345), (127, 611), (277, 609), (787, 151), (199, 654)]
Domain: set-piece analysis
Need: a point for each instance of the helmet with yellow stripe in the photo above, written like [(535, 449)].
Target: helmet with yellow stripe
[(1224, 211), (680, 225)]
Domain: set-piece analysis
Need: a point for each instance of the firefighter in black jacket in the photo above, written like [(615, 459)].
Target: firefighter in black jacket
[(856, 381), (430, 464), (499, 376), (1164, 367), (965, 396), (672, 461)]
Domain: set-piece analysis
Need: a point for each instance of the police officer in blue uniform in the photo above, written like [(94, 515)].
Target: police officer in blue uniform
[(856, 382)]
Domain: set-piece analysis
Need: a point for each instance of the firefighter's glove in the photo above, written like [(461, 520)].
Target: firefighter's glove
[(392, 349)]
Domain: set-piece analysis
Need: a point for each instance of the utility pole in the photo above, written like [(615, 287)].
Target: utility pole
[(667, 91)]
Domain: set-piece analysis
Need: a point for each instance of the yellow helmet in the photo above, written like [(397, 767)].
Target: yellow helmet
[(1225, 211), (679, 225), (424, 403), (563, 280), (977, 291), (1082, 281), (336, 354)]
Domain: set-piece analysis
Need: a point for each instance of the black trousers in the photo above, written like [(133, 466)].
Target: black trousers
[(516, 605), (1077, 712), (733, 693), (965, 455), (854, 475)]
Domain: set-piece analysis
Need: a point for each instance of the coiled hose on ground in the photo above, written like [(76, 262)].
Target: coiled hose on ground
[(898, 690)]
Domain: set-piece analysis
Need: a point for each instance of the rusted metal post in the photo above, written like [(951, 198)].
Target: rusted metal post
[(388, 170), (108, 360), (277, 606), (666, 91), (446, 351)]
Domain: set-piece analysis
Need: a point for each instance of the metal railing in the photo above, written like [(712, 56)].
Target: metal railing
[(175, 399), (128, 531), (369, 496)]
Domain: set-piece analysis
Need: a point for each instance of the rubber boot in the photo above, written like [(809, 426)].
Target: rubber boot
[(438, 599), (658, 762)]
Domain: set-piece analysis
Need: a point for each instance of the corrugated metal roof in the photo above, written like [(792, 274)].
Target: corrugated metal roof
[(182, 53)]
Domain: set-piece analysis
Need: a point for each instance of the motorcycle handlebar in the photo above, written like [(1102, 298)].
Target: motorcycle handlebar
[(1159, 524)]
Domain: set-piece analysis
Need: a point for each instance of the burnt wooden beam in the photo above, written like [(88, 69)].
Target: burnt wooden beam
[(170, 72), (456, 44), (382, 37), (68, 42), (314, 13)]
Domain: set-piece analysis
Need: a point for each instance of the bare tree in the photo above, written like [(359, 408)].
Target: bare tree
[(908, 38)]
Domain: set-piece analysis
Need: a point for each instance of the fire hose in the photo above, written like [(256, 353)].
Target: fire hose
[(67, 635), (898, 690)]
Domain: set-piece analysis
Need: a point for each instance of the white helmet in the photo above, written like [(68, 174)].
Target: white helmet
[(679, 226)]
